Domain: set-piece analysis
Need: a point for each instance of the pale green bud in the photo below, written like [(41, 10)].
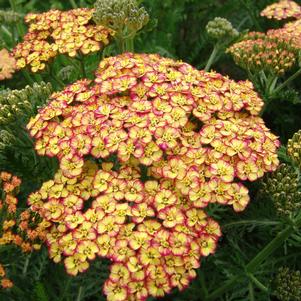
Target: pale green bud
[(221, 29)]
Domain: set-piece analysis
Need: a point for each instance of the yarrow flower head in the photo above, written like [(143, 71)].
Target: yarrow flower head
[(283, 9), (54, 32), (166, 140), (271, 52), (7, 64)]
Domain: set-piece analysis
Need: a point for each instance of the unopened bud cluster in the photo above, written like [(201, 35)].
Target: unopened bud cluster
[(17, 103), (283, 187), (294, 148), (9, 17), (120, 15), (258, 51), (287, 285), (221, 29)]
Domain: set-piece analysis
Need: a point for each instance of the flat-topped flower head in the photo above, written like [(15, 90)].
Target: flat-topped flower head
[(134, 147), (274, 52), (283, 9), (54, 32)]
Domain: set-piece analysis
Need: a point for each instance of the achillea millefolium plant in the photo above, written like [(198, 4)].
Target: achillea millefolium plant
[(142, 150), (123, 170)]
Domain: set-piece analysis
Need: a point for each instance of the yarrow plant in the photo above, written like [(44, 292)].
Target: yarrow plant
[(143, 149), (51, 33)]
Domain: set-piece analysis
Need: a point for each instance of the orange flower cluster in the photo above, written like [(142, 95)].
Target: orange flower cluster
[(283, 9), (275, 51), (4, 281), (179, 139), (25, 229), (272, 52), (290, 32), (7, 64), (54, 32)]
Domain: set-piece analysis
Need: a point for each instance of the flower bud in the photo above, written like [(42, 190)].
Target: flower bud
[(282, 187), (287, 284), (294, 148), (221, 29), (120, 15)]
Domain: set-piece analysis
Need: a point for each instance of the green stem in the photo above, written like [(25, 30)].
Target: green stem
[(272, 84), (285, 83), (258, 283), (19, 26), (251, 292), (26, 264), (79, 295), (252, 222), (129, 44), (212, 58), (82, 65), (6, 31), (269, 249)]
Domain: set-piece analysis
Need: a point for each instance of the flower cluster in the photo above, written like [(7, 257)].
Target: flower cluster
[(25, 229), (4, 282), (271, 52), (7, 64), (275, 51), (54, 32), (221, 29), (287, 284), (283, 187), (291, 31), (294, 148), (120, 15), (16, 104), (170, 140), (153, 235), (283, 9)]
